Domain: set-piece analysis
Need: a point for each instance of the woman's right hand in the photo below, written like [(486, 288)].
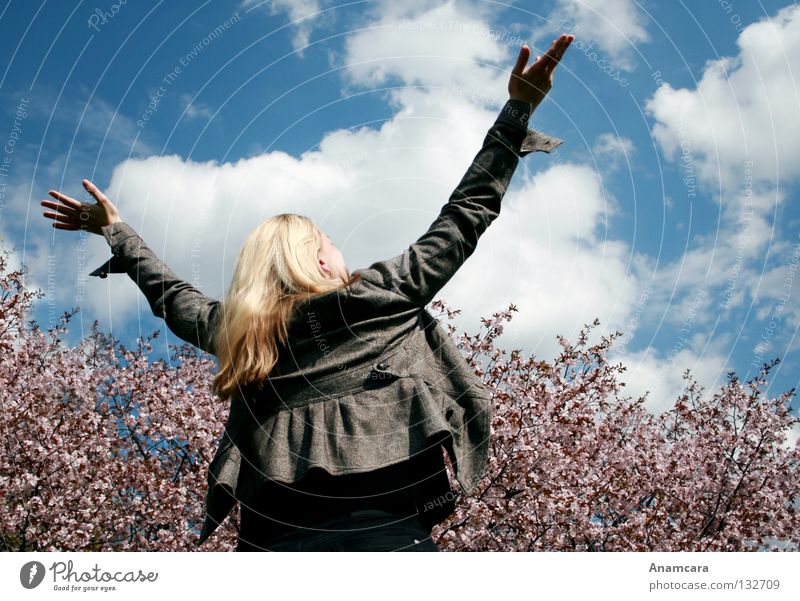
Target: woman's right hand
[(533, 83), (75, 215)]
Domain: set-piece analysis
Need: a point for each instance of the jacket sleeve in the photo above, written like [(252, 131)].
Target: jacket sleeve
[(427, 265), (188, 313)]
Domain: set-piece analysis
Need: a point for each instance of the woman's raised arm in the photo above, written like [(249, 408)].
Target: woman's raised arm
[(189, 314), (427, 265)]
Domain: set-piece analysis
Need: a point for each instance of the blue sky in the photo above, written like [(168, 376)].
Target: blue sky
[(670, 212)]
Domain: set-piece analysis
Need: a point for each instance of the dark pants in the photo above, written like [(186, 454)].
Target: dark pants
[(362, 530)]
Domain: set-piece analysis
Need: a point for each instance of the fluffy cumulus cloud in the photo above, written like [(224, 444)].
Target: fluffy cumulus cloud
[(446, 45), (613, 27), (548, 253), (744, 108)]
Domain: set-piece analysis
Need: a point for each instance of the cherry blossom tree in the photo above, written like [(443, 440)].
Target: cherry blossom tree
[(101, 448), (574, 466), (104, 448)]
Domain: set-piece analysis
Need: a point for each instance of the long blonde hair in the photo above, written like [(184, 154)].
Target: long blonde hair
[(277, 268)]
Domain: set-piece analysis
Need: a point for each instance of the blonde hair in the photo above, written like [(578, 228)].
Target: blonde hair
[(277, 268)]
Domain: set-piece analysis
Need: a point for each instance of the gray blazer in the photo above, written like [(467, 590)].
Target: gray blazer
[(369, 377)]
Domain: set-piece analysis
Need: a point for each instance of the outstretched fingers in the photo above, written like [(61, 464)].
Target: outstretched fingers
[(557, 50), (66, 226), (60, 208), (94, 191), (64, 218), (69, 202), (522, 60), (59, 216)]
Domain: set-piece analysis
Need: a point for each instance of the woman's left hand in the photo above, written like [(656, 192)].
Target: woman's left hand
[(532, 85)]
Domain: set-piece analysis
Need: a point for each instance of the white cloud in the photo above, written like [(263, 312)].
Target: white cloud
[(445, 46), (775, 292), (744, 108), (194, 110), (545, 254), (615, 27), (794, 435), (761, 347), (661, 373), (305, 16), (612, 150)]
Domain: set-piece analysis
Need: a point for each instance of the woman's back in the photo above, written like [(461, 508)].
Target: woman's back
[(337, 330)]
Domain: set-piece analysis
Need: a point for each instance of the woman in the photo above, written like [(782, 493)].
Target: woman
[(343, 388)]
